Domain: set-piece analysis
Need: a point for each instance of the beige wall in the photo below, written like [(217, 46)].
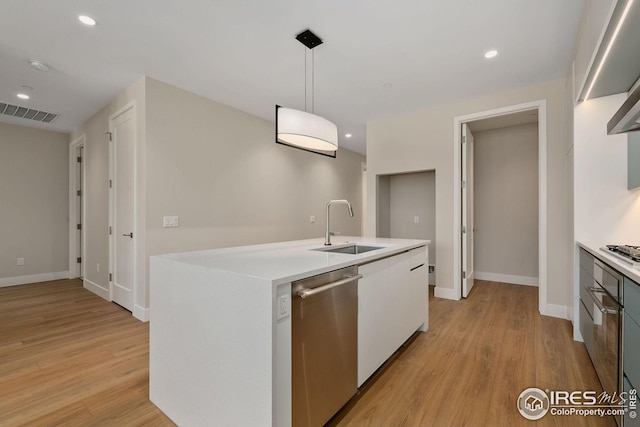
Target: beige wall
[(424, 140), (506, 202), (407, 196), (220, 171), (34, 186)]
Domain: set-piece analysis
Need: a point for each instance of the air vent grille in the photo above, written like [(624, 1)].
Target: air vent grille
[(26, 113)]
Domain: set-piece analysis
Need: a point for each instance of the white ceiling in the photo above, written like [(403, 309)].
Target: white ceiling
[(243, 53)]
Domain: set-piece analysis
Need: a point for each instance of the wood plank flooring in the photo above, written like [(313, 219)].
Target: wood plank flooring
[(69, 358), (478, 355)]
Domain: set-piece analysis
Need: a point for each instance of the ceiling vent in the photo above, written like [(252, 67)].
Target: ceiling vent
[(27, 113)]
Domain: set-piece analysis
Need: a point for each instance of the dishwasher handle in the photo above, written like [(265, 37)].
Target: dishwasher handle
[(598, 303), (303, 293)]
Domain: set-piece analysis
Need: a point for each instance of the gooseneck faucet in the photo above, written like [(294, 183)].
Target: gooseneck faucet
[(327, 236)]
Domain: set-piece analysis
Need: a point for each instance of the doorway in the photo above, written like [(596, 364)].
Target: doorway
[(76, 208), (122, 207), (461, 251)]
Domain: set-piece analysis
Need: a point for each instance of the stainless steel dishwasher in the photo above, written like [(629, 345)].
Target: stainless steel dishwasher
[(324, 345)]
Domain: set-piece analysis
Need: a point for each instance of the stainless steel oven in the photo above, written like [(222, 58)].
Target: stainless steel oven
[(601, 323)]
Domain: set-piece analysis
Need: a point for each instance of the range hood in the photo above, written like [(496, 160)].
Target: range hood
[(627, 118)]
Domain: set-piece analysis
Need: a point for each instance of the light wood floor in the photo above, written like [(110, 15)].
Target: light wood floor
[(67, 357), (70, 358), (478, 355)]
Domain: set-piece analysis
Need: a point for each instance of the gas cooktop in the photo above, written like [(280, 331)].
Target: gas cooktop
[(627, 253)]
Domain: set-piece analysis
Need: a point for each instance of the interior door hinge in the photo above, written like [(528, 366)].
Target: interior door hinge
[(463, 184), (110, 183), (464, 274), (79, 260), (79, 159), (110, 277), (464, 139), (79, 226), (110, 136), (110, 230), (463, 229), (79, 193)]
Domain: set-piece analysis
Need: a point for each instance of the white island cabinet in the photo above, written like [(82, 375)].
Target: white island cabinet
[(391, 307), (220, 326)]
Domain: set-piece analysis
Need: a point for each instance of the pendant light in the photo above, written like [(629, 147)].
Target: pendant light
[(302, 129)]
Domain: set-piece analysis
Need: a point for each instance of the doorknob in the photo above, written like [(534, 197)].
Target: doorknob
[(129, 235)]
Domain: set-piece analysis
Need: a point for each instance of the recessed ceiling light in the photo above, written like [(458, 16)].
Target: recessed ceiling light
[(22, 96), (87, 20), (38, 65), (491, 54), (347, 135)]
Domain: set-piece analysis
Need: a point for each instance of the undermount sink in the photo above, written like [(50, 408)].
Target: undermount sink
[(351, 249)]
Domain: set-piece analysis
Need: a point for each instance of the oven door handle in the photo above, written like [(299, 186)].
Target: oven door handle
[(598, 303)]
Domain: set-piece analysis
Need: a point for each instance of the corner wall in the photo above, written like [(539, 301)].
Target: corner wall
[(220, 170), (424, 140), (34, 186), (96, 187)]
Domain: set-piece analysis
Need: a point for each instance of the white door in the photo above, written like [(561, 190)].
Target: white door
[(123, 148), (467, 211)]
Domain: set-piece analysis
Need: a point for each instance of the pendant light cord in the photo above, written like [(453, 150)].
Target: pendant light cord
[(313, 81)]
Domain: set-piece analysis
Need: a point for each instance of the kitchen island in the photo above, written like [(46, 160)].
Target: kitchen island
[(220, 327)]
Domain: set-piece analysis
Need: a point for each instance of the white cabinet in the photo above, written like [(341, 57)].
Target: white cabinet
[(392, 305)]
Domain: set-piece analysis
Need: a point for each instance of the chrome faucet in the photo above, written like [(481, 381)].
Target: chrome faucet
[(327, 236)]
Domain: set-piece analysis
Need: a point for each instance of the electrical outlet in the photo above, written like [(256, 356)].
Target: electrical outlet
[(283, 306), (312, 218), (416, 219), (98, 268), (20, 261)]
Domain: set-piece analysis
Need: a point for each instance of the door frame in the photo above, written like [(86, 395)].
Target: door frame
[(74, 146), (541, 107), (125, 109), (467, 144)]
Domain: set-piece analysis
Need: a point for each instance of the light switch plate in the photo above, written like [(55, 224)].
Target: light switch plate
[(170, 221)]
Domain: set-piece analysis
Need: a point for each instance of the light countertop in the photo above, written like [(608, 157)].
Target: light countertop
[(285, 262), (624, 268)]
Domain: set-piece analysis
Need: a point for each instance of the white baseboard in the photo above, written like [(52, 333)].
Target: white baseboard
[(446, 293), (507, 278), (33, 278), (141, 313), (96, 289), (554, 310)]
